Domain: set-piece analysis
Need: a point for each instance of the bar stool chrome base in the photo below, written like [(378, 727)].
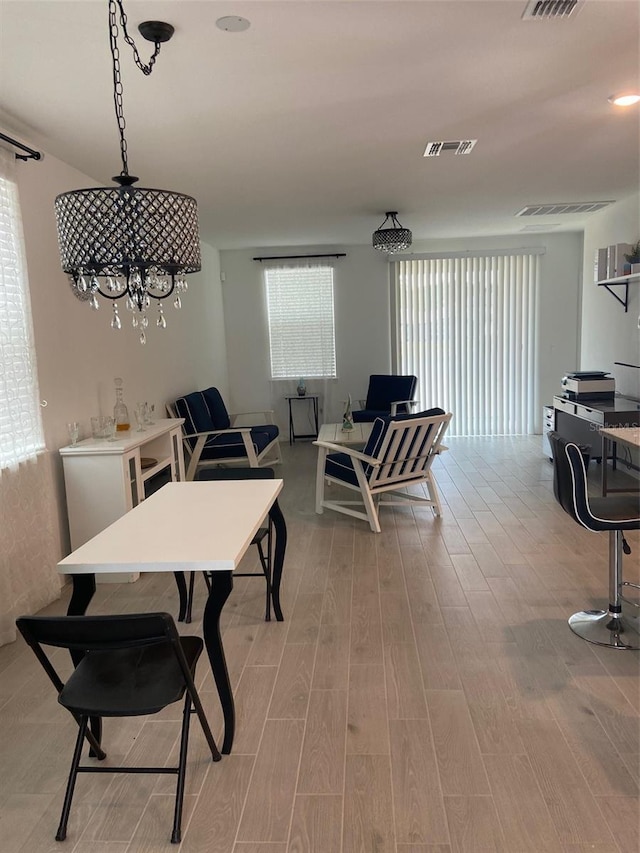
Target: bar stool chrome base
[(616, 631)]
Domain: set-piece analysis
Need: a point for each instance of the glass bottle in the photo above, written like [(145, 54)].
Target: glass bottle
[(120, 411)]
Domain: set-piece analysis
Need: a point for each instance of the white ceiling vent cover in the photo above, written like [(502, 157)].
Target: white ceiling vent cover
[(544, 10), (460, 146), (557, 208)]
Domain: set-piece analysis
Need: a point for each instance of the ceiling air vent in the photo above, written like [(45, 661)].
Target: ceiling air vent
[(544, 10), (460, 146), (556, 209)]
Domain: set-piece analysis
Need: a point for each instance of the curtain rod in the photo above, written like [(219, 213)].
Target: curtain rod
[(295, 257), (30, 155), (626, 364), (468, 253)]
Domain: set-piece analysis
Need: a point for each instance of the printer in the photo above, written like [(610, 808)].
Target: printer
[(588, 385)]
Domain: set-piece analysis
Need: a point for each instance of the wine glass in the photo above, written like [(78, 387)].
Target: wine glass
[(110, 429), (139, 415), (73, 428)]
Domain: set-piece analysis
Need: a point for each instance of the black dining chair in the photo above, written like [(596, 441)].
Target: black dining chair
[(262, 540), (126, 666), (613, 627)]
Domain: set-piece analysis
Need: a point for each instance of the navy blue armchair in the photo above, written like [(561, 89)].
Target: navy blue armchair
[(211, 436), (387, 395)]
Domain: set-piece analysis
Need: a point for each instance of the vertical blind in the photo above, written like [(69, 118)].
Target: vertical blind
[(466, 327), (301, 320), (20, 422)]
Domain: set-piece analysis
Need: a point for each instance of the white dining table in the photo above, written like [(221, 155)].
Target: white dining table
[(185, 526)]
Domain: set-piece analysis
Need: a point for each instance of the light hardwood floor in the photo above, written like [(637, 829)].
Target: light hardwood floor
[(424, 695)]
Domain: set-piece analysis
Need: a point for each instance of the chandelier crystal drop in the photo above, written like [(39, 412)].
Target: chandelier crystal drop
[(127, 241), (393, 237)]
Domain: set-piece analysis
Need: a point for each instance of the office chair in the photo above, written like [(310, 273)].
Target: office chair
[(127, 666), (611, 627)]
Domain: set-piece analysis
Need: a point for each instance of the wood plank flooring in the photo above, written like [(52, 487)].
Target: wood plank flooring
[(424, 695)]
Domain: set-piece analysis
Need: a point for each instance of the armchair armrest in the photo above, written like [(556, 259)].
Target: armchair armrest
[(350, 451), (202, 438), (396, 403)]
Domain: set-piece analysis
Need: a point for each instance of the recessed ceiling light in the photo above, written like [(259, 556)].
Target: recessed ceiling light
[(627, 99), (232, 24)]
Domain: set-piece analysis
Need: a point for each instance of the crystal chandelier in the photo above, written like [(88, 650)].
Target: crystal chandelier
[(393, 238), (126, 241)]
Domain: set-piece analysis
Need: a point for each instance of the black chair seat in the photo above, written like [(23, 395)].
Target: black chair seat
[(614, 513), (129, 682)]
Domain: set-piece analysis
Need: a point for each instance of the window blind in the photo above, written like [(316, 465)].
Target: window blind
[(300, 312), (20, 420), (466, 327)]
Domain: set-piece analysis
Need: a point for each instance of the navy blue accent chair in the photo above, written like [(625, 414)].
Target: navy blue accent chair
[(211, 436), (398, 455), (387, 395)]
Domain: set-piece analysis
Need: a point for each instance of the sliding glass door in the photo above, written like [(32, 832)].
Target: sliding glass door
[(466, 327)]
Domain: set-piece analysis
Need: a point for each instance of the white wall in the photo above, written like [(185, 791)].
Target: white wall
[(362, 308), (78, 354), (608, 333)]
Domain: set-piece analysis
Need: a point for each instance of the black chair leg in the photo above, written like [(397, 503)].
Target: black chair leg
[(265, 562), (192, 579), (61, 834), (176, 833)]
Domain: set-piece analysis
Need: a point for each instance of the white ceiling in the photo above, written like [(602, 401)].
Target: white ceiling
[(308, 126)]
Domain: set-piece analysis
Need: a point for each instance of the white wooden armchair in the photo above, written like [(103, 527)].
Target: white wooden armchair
[(398, 455), (212, 438)]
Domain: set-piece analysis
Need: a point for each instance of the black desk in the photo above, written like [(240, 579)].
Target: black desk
[(314, 403), (580, 421)]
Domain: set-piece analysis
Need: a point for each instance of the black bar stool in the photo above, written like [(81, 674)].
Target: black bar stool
[(611, 627)]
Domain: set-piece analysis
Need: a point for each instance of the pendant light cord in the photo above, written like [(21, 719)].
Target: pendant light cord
[(114, 5)]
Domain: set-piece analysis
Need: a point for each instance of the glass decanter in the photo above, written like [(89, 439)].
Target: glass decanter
[(120, 411)]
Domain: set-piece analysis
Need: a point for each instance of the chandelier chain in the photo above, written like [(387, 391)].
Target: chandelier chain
[(114, 5)]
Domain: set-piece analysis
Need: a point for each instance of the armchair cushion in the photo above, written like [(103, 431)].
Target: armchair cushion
[(382, 392), (340, 465), (197, 418), (217, 409)]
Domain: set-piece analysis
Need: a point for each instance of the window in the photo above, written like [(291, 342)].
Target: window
[(466, 327), (301, 321), (20, 422)]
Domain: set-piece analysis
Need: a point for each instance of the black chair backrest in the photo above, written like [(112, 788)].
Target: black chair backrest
[(562, 478), (236, 474), (570, 480), (90, 633)]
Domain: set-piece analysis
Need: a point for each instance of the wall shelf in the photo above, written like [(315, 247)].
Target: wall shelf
[(620, 281)]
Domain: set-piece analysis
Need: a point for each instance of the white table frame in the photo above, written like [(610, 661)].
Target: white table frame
[(189, 526)]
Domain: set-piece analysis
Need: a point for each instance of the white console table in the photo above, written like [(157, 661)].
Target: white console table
[(105, 479)]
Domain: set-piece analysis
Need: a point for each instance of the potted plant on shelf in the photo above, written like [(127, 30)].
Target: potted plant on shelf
[(633, 257)]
